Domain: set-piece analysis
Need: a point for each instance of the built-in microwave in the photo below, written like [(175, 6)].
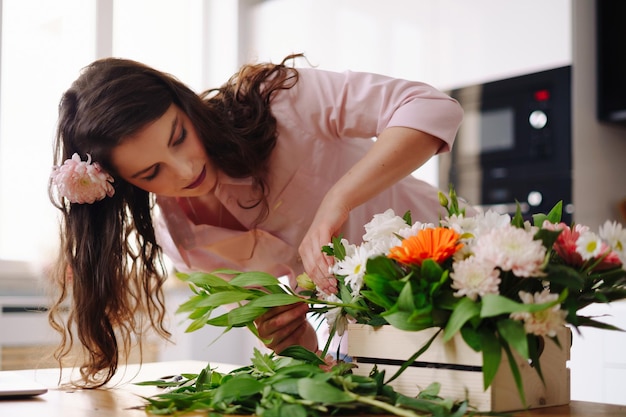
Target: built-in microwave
[(514, 145)]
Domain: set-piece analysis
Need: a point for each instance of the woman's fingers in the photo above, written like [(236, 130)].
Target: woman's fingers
[(283, 326)]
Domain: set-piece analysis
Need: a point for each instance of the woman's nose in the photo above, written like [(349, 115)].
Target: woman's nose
[(184, 169)]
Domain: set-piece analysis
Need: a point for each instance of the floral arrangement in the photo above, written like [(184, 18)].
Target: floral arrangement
[(502, 282), (82, 181)]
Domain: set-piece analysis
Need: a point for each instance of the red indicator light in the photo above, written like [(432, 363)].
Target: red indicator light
[(542, 95)]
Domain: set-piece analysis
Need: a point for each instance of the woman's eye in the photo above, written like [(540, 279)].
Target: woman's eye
[(182, 137), (153, 175)]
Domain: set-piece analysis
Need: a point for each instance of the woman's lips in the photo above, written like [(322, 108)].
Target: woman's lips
[(198, 180)]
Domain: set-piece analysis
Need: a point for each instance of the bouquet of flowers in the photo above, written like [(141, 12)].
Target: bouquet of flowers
[(500, 281)]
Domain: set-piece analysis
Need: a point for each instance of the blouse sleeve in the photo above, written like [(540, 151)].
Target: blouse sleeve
[(362, 105)]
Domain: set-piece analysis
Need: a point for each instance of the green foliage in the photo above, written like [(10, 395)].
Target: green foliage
[(290, 385)]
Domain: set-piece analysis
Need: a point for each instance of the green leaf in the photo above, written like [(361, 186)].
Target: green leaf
[(244, 315), (515, 372), (412, 359), (196, 324), (492, 354), (565, 276), (322, 392), (554, 216), (404, 320), (338, 249), (465, 310), (237, 388), (192, 303), (223, 298), (405, 299), (471, 337), (547, 237), (431, 270), (263, 362), (423, 405), (276, 300), (254, 279), (513, 332), (518, 219), (534, 353), (303, 354), (202, 279), (384, 267), (494, 305)]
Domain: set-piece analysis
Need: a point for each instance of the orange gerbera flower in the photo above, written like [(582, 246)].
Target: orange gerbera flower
[(437, 244)]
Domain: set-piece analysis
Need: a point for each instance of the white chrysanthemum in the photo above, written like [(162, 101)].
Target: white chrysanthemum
[(615, 236), (474, 277), (352, 267), (460, 223), (589, 245), (542, 323), (382, 245), (383, 225), (511, 249), (414, 229), (486, 222)]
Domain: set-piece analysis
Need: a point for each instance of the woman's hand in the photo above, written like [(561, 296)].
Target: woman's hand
[(326, 224), (287, 326)]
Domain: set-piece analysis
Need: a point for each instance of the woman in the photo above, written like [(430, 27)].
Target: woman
[(256, 175)]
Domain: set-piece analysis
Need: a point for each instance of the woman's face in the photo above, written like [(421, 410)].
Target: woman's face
[(166, 157)]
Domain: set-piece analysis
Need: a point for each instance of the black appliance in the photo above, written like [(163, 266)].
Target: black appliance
[(611, 61), (514, 145)]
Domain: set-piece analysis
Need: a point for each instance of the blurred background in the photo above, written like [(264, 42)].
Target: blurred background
[(450, 44)]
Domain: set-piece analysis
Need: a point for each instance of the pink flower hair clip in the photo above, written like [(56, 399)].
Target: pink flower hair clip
[(81, 181)]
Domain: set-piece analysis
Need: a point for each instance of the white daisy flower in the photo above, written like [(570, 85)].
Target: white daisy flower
[(352, 267), (615, 236), (589, 245)]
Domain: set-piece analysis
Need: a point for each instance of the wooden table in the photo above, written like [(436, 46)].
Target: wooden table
[(123, 399)]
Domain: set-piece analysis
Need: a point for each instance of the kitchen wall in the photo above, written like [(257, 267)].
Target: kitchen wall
[(446, 43)]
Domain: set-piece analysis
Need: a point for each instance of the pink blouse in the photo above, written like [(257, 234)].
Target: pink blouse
[(325, 125)]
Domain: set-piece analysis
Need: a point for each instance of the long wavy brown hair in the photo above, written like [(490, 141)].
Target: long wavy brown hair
[(109, 276)]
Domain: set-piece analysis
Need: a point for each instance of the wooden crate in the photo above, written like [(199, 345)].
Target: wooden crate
[(458, 368)]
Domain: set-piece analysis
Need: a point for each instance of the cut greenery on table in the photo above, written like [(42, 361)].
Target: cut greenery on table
[(295, 385)]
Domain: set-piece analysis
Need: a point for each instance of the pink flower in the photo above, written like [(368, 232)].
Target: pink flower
[(81, 181), (545, 322), (567, 244)]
